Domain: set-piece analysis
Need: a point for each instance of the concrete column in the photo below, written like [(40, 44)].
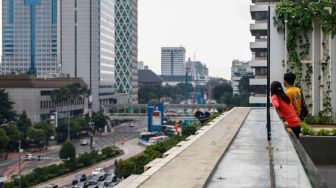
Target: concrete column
[(316, 58), (333, 74)]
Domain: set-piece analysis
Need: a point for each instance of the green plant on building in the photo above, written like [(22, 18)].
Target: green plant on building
[(299, 18)]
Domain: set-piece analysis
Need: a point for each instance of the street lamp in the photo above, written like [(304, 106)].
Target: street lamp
[(91, 123)]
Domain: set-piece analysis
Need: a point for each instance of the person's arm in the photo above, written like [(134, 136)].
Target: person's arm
[(275, 102), (276, 105)]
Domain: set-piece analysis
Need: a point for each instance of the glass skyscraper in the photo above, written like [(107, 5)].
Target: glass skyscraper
[(29, 44)]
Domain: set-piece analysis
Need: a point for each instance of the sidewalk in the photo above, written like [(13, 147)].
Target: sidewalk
[(130, 149)]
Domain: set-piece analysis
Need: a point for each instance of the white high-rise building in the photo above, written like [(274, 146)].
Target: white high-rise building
[(87, 46), (29, 37), (173, 61), (239, 69), (259, 13), (126, 48)]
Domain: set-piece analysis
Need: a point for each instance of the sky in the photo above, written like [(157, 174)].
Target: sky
[(213, 31)]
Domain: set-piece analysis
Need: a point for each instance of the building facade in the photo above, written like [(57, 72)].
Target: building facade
[(88, 46), (198, 71), (30, 37), (239, 69), (259, 13), (173, 61), (33, 95), (316, 72), (126, 48)]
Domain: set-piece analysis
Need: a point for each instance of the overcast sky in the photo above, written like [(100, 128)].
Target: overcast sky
[(213, 31)]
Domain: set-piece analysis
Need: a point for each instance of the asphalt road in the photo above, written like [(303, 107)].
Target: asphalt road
[(130, 148), (120, 133)]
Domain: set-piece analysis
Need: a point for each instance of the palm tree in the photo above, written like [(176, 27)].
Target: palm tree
[(69, 95)]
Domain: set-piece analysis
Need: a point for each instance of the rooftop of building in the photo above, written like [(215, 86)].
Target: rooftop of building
[(30, 81), (176, 78), (148, 76)]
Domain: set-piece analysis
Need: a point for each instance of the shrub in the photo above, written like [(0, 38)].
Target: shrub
[(135, 165), (306, 129), (189, 130), (324, 132)]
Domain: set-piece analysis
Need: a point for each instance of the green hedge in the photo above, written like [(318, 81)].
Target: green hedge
[(135, 165), (307, 130), (40, 175)]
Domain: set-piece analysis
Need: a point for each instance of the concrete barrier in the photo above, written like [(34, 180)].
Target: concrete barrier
[(321, 149)]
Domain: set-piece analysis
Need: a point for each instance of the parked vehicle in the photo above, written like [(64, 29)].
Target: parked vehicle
[(79, 178), (110, 172), (98, 171), (80, 185), (51, 186)]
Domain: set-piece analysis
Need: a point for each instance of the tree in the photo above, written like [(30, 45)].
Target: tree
[(23, 123), (244, 85), (48, 130), (68, 152), (3, 139), (100, 120), (69, 95), (14, 136), (35, 135), (6, 108), (222, 90)]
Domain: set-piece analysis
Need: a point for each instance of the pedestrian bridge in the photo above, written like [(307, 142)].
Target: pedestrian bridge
[(233, 151)]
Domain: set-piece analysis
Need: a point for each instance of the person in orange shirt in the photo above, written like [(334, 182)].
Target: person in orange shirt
[(294, 93)]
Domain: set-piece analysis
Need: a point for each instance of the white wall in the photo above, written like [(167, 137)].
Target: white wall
[(277, 49)]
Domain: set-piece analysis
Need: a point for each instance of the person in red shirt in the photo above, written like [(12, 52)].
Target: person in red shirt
[(282, 104)]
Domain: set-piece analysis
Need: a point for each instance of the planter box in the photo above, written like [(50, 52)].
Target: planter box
[(321, 149)]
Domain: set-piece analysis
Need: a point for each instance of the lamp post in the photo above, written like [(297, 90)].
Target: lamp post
[(20, 151), (91, 133)]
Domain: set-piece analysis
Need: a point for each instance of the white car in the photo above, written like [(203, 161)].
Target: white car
[(98, 171), (30, 157)]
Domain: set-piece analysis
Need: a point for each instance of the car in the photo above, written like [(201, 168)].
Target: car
[(131, 125), (84, 142), (30, 157), (110, 172), (51, 186), (98, 171), (93, 186), (79, 178), (79, 185)]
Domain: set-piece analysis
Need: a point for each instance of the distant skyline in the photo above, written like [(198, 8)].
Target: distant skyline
[(216, 32)]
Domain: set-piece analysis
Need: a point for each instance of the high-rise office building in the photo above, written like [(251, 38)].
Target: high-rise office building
[(198, 71), (239, 69), (87, 45), (30, 38), (259, 13), (126, 24), (173, 61)]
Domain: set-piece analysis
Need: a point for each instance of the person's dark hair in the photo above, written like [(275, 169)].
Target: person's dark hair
[(290, 78), (276, 89)]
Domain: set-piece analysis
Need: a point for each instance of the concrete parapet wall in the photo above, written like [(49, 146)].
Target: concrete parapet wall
[(321, 149)]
